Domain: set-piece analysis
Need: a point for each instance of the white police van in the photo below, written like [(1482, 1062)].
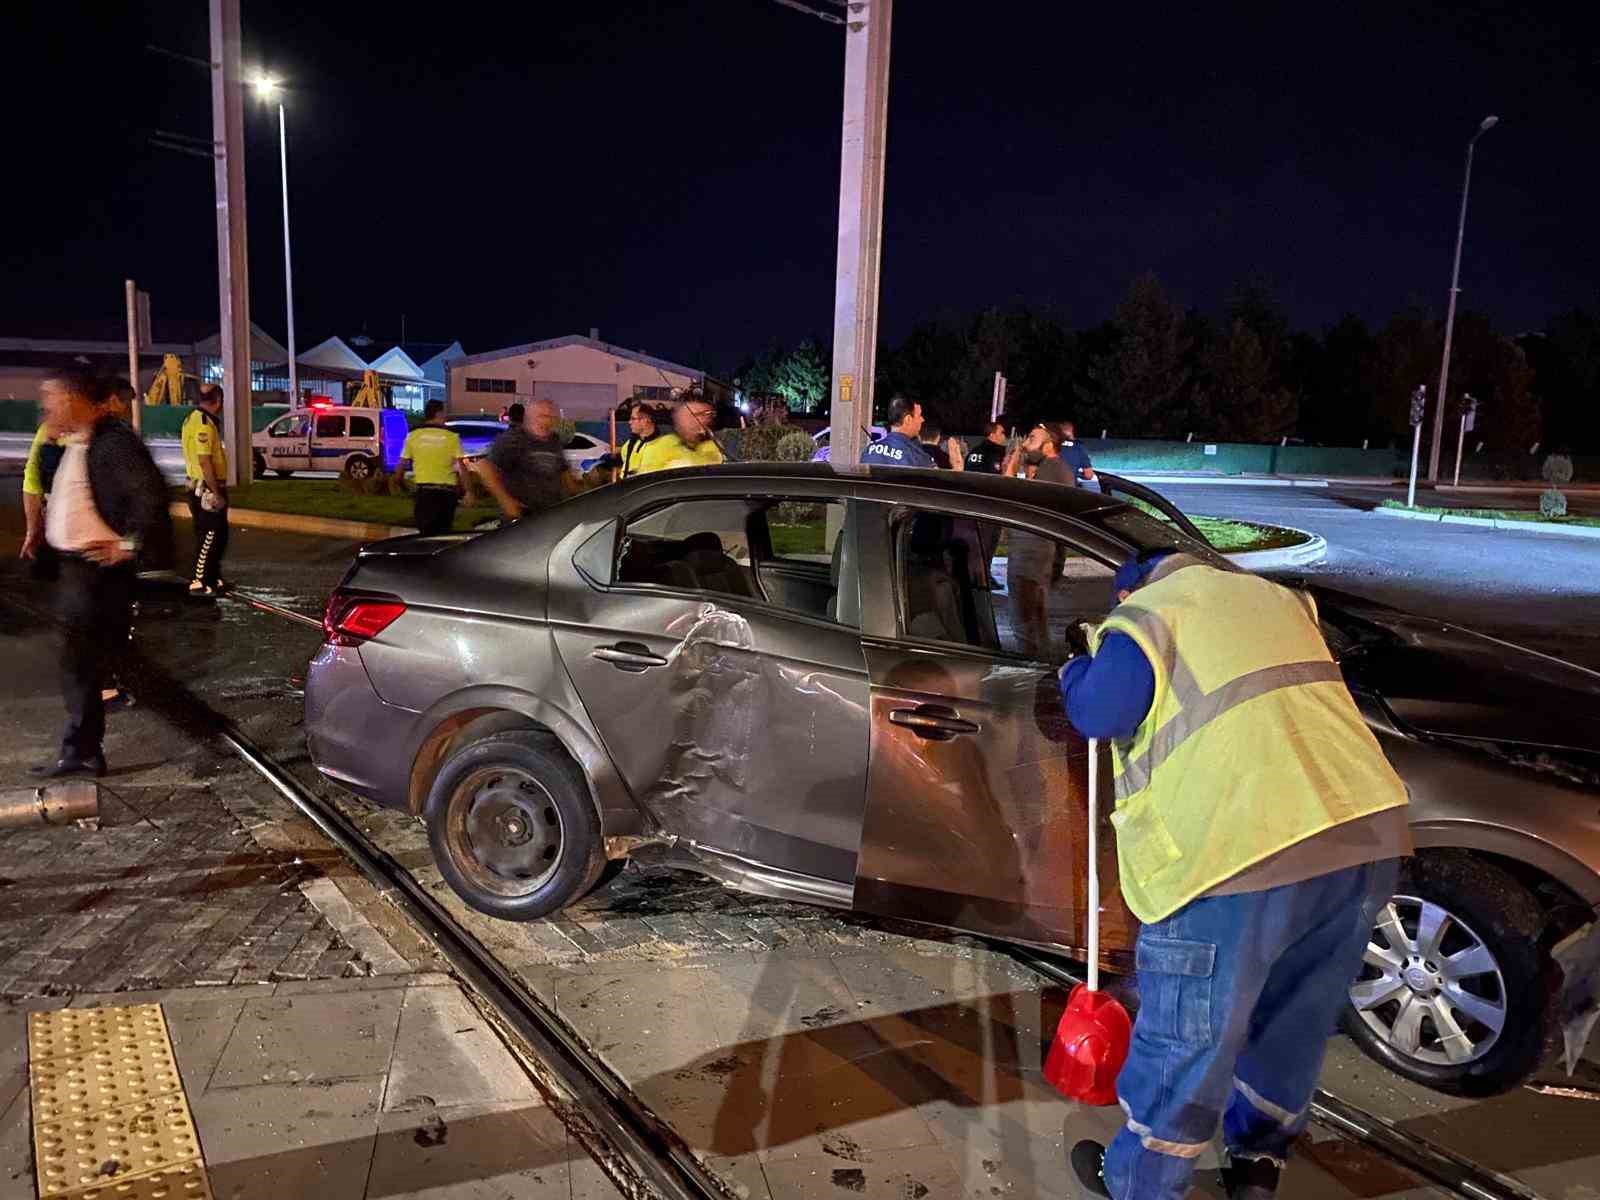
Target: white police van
[(331, 437)]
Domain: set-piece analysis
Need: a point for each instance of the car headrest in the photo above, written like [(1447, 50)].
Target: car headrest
[(703, 541)]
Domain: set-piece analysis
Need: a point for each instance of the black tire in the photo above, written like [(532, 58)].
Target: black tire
[(1491, 909), (512, 826), (358, 466), (281, 473), (258, 463)]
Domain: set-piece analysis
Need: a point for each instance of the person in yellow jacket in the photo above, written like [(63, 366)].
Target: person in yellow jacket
[(433, 455), (205, 463), (690, 443), (1259, 828)]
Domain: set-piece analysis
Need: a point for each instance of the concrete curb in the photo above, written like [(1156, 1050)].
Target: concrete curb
[(358, 531), (1544, 528), (1230, 480), (1312, 550)]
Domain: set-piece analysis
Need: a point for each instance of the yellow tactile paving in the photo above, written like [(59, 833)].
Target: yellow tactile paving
[(110, 1118)]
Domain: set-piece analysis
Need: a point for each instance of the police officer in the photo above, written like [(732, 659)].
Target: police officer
[(642, 429), (1259, 828), (205, 462), (901, 448), (433, 455)]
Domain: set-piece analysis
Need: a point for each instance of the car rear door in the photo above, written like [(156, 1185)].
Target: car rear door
[(735, 710), (977, 785)]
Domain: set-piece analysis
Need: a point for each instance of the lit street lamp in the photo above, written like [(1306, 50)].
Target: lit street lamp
[(1450, 319), (268, 89)]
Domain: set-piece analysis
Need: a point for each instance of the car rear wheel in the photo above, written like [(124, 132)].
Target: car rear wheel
[(512, 826), (281, 473), (358, 466), (258, 463), (1452, 990)]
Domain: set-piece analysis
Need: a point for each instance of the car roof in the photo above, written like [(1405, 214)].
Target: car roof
[(887, 482)]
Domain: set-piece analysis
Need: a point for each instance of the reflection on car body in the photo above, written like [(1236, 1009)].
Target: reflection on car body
[(840, 688)]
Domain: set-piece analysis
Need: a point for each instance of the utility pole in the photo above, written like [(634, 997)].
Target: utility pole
[(131, 294), (1484, 126), (288, 267), (855, 297), (233, 279)]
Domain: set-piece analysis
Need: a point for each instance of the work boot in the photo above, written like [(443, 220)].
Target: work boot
[(1250, 1178), (1089, 1165), (70, 765)]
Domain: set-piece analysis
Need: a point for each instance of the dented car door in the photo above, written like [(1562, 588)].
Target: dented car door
[(738, 721), (977, 785)]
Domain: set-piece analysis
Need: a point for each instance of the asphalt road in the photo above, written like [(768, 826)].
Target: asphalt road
[(1540, 590)]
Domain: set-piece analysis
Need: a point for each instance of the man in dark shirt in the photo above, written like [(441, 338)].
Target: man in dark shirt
[(900, 448), (1075, 455), (948, 455), (526, 469), (988, 455)]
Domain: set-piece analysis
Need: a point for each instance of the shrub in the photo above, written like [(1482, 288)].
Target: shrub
[(759, 443), (795, 446), (1557, 469), (1552, 503)]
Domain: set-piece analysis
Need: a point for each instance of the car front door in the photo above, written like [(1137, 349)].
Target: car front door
[(288, 443), (977, 785), (730, 692)]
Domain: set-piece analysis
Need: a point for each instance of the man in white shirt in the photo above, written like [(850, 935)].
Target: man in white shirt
[(107, 506)]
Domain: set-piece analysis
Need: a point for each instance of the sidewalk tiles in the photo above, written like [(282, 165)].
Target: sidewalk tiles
[(340, 1089)]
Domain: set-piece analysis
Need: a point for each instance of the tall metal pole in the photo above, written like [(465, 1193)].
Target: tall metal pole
[(288, 268), (233, 279), (1450, 316), (855, 297), (131, 291)]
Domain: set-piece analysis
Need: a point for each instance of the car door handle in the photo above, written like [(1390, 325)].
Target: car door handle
[(628, 656), (932, 721)]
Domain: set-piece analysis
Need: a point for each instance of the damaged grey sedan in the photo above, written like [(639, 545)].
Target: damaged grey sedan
[(839, 688)]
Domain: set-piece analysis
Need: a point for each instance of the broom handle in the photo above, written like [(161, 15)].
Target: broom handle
[(1094, 867)]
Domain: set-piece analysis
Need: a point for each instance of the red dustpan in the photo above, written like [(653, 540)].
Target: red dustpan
[(1091, 1042)]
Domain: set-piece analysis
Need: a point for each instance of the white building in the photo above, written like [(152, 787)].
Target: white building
[(585, 377)]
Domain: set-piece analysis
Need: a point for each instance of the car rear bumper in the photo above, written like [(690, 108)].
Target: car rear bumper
[(353, 737)]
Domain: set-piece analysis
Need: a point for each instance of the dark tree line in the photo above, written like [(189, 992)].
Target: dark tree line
[(1243, 374)]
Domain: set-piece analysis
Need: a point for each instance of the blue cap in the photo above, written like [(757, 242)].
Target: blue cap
[(1137, 569)]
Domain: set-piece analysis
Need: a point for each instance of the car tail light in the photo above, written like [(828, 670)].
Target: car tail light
[(350, 620)]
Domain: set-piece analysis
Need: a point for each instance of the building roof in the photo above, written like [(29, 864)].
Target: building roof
[(396, 361), (433, 366), (575, 339), (333, 353), (264, 347)]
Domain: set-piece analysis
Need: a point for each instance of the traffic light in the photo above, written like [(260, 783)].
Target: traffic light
[(1419, 402)]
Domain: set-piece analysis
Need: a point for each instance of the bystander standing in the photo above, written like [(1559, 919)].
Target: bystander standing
[(1075, 455), (107, 513), (690, 444)]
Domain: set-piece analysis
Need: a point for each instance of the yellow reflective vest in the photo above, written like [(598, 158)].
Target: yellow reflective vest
[(1252, 742), (202, 438)]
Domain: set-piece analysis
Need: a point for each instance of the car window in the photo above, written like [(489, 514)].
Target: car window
[(290, 427), (330, 426), (1157, 532), (361, 427), (995, 587), (769, 549)]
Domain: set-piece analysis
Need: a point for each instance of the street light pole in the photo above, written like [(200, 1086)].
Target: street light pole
[(855, 298), (266, 88), (1487, 124), (233, 278)]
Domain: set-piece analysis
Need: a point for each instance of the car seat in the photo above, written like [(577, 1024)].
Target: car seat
[(713, 570)]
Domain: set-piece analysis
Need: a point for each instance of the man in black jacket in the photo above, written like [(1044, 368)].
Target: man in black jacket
[(107, 514)]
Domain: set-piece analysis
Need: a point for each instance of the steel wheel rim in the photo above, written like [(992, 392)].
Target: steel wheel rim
[(504, 831), (1430, 988)]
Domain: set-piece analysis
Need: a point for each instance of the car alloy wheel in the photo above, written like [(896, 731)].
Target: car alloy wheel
[(505, 830), (1430, 986), (358, 468)]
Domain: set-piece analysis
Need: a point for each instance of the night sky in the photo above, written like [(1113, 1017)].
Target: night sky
[(669, 172)]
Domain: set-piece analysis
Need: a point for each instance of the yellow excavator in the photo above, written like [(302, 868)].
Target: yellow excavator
[(372, 393), (167, 387)]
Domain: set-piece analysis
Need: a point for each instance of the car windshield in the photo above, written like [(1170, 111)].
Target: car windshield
[(1148, 533)]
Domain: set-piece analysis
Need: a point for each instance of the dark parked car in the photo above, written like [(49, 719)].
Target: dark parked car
[(839, 687)]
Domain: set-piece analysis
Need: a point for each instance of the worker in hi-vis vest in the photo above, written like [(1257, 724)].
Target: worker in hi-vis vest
[(205, 462), (1259, 829)]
